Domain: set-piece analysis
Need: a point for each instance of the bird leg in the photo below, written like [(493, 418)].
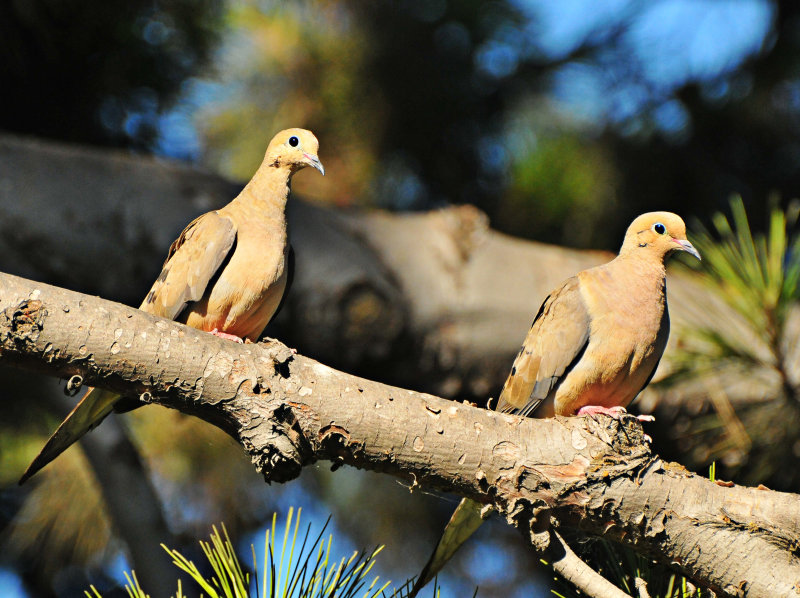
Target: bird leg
[(225, 335)]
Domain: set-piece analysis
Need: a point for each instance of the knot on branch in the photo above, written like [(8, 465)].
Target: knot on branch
[(74, 384), (336, 444), (532, 518), (736, 590), (284, 449), (279, 353), (24, 322)]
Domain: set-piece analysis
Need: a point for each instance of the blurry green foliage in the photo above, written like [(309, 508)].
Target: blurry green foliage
[(295, 64), (419, 103), (564, 184), (392, 89), (758, 274)]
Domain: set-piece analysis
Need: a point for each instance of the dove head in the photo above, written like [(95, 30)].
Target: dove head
[(294, 149), (657, 235)]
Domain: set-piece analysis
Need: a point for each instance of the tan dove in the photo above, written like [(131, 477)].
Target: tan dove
[(593, 346), (227, 273)]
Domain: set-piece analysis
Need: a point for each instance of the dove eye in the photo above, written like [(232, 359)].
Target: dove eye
[(659, 228), (294, 141)]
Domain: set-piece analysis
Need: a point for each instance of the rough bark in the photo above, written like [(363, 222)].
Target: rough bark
[(288, 411)]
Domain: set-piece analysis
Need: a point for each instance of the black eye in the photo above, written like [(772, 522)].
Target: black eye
[(659, 228), (294, 141)]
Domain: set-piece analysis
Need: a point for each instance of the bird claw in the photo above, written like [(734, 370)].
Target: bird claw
[(592, 410), (616, 413), (613, 412), (225, 335)]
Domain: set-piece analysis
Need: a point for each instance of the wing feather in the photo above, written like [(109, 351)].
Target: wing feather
[(192, 262), (555, 342)]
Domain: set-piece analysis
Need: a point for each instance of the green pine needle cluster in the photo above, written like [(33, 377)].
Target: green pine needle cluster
[(739, 355), (306, 569), (758, 276)]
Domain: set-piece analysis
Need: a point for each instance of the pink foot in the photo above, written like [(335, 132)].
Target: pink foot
[(225, 335), (613, 412)]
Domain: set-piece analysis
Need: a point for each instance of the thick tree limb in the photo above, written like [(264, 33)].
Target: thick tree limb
[(288, 411), (435, 301)]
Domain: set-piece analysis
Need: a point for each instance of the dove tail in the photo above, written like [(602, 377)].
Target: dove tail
[(90, 411), (464, 522)]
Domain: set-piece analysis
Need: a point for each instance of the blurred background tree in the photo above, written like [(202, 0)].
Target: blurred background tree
[(100, 72), (561, 120)]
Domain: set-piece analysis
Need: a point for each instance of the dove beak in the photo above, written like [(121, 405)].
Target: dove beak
[(684, 245), (313, 161)]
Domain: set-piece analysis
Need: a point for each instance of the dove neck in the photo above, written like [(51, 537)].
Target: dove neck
[(268, 191), (642, 262)]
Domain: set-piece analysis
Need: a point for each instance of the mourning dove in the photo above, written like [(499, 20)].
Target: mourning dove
[(227, 273), (593, 346)]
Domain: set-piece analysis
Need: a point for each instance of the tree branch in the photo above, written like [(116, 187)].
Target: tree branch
[(570, 566), (288, 411)]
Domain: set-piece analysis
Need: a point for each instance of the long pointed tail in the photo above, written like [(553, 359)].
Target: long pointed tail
[(90, 411), (465, 521)]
